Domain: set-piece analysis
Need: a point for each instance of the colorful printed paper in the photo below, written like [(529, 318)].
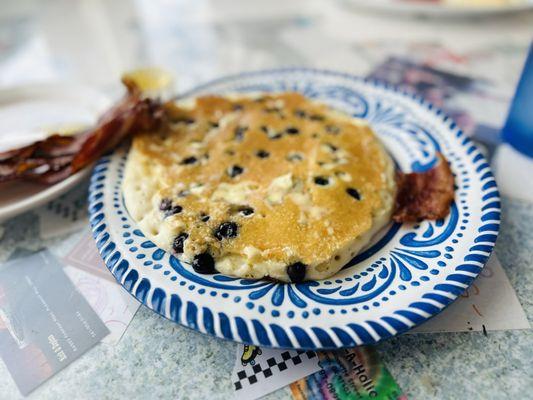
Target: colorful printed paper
[(348, 374), (474, 104)]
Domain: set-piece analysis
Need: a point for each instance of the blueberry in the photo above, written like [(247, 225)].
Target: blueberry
[(262, 153), (246, 210), (296, 272), (173, 210), (300, 113), (187, 121), (204, 217), (204, 263), (354, 193), (239, 132), (189, 160), (179, 242), (332, 129), (226, 230), (235, 170), (165, 204), (322, 181), (292, 130)]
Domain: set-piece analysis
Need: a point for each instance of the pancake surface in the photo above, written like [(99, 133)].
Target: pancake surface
[(268, 186)]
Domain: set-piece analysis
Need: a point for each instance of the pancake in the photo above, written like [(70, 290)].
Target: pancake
[(267, 186)]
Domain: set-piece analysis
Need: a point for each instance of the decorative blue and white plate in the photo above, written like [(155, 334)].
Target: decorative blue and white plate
[(409, 273)]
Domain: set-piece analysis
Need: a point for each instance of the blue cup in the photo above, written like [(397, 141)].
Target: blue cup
[(518, 130)]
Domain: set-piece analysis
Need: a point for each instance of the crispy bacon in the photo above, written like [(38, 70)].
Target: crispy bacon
[(57, 157), (425, 195)]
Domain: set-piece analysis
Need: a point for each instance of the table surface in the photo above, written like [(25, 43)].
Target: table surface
[(95, 41)]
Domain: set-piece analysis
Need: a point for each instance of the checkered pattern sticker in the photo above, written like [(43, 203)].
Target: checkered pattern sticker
[(260, 371)]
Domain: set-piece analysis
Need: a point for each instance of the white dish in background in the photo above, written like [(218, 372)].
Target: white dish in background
[(430, 9), (31, 113)]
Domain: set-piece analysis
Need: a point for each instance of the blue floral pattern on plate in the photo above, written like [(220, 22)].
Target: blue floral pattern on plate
[(408, 274)]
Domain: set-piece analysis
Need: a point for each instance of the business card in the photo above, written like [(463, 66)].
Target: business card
[(45, 323)]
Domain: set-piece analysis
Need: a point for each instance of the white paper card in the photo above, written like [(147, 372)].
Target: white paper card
[(259, 371), (490, 304), (115, 307), (86, 269), (84, 255)]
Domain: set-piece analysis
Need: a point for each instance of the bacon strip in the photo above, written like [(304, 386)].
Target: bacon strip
[(57, 157), (426, 195)]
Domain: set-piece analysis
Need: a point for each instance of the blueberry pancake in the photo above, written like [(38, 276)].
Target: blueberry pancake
[(273, 185)]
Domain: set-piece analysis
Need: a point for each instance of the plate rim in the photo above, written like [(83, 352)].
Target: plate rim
[(99, 227), (48, 193), (439, 11)]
